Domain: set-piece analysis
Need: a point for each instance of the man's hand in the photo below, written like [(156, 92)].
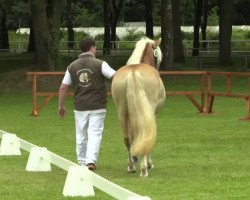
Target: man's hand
[(62, 111)]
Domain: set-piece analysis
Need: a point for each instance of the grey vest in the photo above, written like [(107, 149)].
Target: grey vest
[(88, 82)]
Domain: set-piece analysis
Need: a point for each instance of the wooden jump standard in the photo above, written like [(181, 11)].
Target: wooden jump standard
[(189, 94), (47, 95)]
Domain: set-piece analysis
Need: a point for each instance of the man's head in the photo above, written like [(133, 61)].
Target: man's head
[(88, 44)]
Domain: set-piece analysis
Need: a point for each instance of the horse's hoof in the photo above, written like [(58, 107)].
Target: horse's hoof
[(144, 173), (131, 169)]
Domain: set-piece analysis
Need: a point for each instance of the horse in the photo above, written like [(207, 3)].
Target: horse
[(138, 94)]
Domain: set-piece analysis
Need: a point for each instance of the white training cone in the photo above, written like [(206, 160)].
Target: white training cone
[(39, 160), (75, 185), (139, 198), (10, 145)]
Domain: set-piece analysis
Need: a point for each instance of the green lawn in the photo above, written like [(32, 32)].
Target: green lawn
[(196, 156)]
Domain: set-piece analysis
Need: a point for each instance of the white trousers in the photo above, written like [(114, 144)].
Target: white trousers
[(89, 128)]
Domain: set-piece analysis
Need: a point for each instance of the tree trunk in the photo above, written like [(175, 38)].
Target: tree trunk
[(71, 36), (148, 18), (197, 23), (31, 46), (54, 14), (177, 38), (46, 24), (41, 35), (106, 17), (115, 9), (4, 38), (113, 35), (225, 31), (204, 24), (166, 34)]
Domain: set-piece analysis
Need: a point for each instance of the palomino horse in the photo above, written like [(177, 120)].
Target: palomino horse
[(138, 94)]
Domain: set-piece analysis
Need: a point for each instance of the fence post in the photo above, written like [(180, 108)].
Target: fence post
[(203, 91), (210, 97), (34, 111)]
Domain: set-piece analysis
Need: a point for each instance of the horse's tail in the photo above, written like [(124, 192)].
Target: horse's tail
[(142, 125)]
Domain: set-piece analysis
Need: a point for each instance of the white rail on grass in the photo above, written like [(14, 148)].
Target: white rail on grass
[(99, 182)]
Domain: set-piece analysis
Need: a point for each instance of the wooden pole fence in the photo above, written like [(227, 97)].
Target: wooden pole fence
[(190, 94), (229, 75), (206, 83)]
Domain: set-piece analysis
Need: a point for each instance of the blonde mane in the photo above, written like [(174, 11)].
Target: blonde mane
[(135, 58)]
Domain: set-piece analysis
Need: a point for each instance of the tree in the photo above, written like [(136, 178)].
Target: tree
[(69, 22), (166, 34), (241, 12), (133, 11), (178, 53), (149, 18), (197, 23), (115, 10), (204, 24), (106, 42), (46, 17), (225, 31), (112, 11), (4, 39), (31, 46), (86, 13)]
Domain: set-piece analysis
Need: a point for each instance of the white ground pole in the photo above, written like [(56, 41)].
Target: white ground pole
[(77, 176)]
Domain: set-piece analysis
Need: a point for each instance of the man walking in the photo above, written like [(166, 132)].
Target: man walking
[(87, 76)]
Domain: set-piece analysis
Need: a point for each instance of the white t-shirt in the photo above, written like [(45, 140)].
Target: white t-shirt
[(107, 71)]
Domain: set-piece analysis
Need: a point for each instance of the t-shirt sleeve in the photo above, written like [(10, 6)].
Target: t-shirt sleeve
[(107, 71), (67, 78)]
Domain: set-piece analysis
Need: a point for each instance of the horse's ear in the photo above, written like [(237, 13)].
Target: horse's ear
[(158, 42)]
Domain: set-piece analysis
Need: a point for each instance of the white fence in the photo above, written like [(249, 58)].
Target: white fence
[(79, 180), (137, 28), (212, 46)]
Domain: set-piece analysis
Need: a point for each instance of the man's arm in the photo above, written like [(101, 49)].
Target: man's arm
[(61, 99), (107, 71)]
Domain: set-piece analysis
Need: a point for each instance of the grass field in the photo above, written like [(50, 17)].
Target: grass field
[(196, 156)]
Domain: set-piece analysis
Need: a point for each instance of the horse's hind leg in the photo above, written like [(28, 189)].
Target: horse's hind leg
[(131, 164), (149, 162), (144, 167)]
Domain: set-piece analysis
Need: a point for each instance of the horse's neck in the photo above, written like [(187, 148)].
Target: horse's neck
[(148, 60), (148, 56)]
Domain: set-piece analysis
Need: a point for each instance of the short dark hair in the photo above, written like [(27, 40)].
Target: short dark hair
[(87, 43)]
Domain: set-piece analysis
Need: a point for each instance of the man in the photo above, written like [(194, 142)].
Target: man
[(87, 76)]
